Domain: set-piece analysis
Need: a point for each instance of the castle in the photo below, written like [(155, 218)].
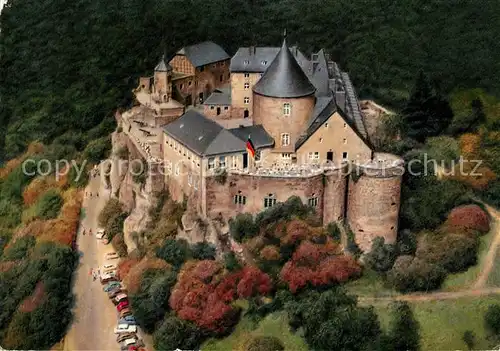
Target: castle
[(200, 111)]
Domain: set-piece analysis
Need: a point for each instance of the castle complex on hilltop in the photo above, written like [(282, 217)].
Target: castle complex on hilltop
[(243, 133)]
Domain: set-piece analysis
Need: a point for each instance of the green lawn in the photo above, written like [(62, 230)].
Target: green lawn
[(275, 324), (442, 323), (494, 277), (370, 284), (465, 279)]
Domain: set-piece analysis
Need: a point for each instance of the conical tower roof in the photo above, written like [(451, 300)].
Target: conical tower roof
[(163, 66), (284, 78)]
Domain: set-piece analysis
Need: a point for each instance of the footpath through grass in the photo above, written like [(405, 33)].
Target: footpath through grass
[(442, 323)]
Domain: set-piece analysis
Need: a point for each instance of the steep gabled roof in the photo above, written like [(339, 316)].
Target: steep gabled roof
[(260, 138), (284, 78), (202, 135), (203, 53), (321, 115)]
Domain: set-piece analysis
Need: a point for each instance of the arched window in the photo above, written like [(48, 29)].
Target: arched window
[(287, 109), (269, 201)]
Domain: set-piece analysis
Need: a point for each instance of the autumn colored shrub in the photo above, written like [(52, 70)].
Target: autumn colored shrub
[(467, 218), (318, 265), (270, 253), (125, 266), (296, 231), (263, 343), (203, 297), (36, 188), (118, 243), (414, 274), (476, 178), (470, 145), (134, 277)]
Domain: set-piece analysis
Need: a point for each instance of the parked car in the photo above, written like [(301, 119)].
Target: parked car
[(121, 297), (112, 285), (122, 305), (129, 322), (111, 256), (129, 342), (114, 292), (125, 336), (106, 278), (100, 234), (129, 318), (125, 328), (108, 266), (125, 312)]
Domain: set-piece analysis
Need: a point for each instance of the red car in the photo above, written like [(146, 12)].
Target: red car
[(122, 305)]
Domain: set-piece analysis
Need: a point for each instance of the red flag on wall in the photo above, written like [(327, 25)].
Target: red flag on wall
[(250, 148)]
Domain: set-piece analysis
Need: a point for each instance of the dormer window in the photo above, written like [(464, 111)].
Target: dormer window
[(246, 62), (315, 57), (264, 62), (287, 109), (247, 75)]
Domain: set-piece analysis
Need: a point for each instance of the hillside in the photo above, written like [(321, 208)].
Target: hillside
[(66, 68)]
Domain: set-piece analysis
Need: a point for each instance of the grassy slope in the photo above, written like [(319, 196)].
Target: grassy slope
[(443, 323)]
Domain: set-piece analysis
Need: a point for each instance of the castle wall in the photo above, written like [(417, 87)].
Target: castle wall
[(268, 111), (334, 195), (335, 136), (238, 93), (220, 197), (168, 115), (373, 205), (210, 111)]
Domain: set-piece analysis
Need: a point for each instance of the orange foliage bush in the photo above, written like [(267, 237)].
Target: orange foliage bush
[(318, 265), (34, 300), (133, 279), (470, 145), (466, 175), (36, 188), (296, 230), (270, 253), (467, 218), (125, 266), (33, 148)]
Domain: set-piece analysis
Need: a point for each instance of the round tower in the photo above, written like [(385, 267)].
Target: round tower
[(374, 193), (163, 80), (334, 196), (283, 99)]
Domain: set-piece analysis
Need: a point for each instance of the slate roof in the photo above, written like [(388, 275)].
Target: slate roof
[(353, 106), (260, 138), (163, 66), (321, 114), (319, 74), (219, 97), (203, 53), (202, 135), (284, 78)]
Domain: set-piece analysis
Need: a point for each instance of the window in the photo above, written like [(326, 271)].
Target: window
[(314, 155), (257, 156), (345, 141), (320, 140), (222, 63), (314, 57), (240, 199), (247, 75), (286, 156), (287, 109), (313, 201), (182, 86), (261, 75), (264, 62), (326, 125), (212, 107), (189, 83), (214, 65), (247, 85), (211, 163), (234, 161), (226, 107), (344, 155), (202, 68), (246, 62), (269, 201), (345, 125), (175, 145), (246, 100), (190, 179), (285, 139), (189, 155), (222, 161), (177, 170)]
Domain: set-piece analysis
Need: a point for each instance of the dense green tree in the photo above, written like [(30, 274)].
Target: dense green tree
[(492, 320), (243, 227), (404, 330), (175, 252), (174, 333), (203, 251), (469, 338), (382, 255), (231, 262), (49, 205)]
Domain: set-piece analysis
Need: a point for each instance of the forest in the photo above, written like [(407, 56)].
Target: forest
[(66, 66)]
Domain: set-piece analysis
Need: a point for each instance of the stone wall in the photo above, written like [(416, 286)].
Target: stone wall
[(238, 93), (373, 209), (210, 111), (334, 198), (268, 111), (219, 198)]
